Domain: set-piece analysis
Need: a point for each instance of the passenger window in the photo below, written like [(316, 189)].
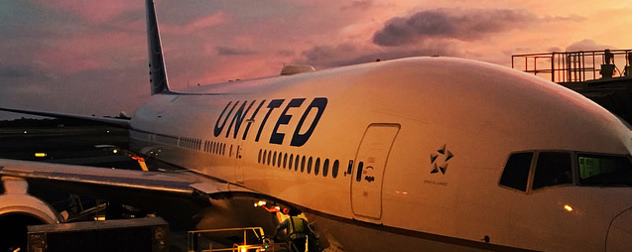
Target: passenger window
[(349, 167), (317, 166), (325, 167), (291, 162), (516, 172), (334, 169), (269, 157), (553, 168), (279, 163), (309, 165)]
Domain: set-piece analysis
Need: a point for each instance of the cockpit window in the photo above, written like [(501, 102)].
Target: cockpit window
[(530, 171), (516, 173), (553, 168), (604, 170)]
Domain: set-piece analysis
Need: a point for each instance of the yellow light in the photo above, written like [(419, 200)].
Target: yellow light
[(115, 151), (568, 208), (40, 154)]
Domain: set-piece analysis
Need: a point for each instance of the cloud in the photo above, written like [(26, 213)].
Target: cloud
[(76, 48), (571, 18), (101, 92), (89, 51), (348, 54), (195, 25), (451, 23), (208, 21), (234, 51), (362, 5), (14, 71), (586, 45), (322, 54), (93, 11)]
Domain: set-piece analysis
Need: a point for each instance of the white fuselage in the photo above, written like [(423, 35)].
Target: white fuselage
[(412, 148)]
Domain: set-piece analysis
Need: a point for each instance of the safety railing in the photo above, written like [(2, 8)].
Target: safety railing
[(577, 66)]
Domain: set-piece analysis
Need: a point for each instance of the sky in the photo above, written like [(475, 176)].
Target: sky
[(90, 57)]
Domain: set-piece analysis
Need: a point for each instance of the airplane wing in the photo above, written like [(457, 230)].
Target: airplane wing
[(184, 182), (117, 122)]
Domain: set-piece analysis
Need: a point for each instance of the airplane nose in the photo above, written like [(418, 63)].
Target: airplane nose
[(619, 236)]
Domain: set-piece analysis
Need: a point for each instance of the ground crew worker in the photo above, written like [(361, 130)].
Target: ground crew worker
[(297, 229)]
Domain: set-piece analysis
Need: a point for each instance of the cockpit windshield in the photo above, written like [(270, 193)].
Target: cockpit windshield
[(533, 170), (604, 170)]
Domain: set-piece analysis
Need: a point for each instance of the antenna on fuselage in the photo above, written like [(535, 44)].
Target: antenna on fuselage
[(157, 69)]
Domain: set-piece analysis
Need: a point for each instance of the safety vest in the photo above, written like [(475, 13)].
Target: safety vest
[(296, 227)]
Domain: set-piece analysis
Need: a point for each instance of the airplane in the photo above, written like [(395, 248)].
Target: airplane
[(423, 153)]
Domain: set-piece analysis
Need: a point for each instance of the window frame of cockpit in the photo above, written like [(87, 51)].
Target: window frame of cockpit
[(575, 169), (529, 174), (578, 178), (533, 166)]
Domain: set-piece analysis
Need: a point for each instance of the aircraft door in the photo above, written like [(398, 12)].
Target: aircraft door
[(370, 163)]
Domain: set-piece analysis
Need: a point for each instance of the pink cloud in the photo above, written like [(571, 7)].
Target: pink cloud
[(209, 21), (195, 25), (84, 52), (93, 11), (587, 45)]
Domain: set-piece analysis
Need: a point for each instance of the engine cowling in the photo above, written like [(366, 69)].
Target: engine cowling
[(18, 210)]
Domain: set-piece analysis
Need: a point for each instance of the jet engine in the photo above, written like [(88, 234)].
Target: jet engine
[(18, 210)]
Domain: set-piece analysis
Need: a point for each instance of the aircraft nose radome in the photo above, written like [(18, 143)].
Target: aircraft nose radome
[(619, 236)]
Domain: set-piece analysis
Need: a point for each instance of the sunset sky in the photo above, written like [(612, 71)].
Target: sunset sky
[(90, 57)]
